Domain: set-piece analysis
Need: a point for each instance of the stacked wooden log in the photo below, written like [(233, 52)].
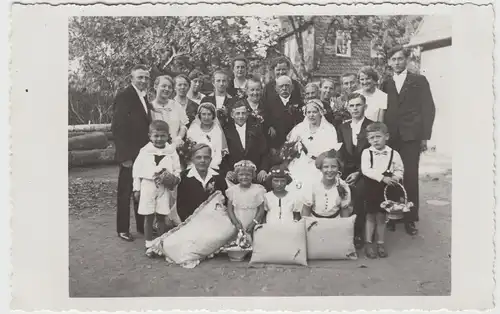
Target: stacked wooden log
[(90, 145)]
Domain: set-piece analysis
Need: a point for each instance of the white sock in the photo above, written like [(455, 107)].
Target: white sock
[(148, 244)]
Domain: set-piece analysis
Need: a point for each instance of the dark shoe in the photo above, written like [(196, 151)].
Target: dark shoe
[(369, 251), (411, 229), (381, 250), (391, 226), (358, 243), (126, 236)]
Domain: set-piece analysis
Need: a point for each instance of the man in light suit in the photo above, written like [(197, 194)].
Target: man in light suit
[(130, 127), (409, 117)]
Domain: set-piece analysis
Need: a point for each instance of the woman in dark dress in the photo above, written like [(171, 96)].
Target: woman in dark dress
[(198, 182)]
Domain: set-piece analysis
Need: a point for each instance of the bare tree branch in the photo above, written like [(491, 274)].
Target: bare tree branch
[(77, 115)]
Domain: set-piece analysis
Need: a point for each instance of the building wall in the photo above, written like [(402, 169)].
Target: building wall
[(328, 64), (436, 66)]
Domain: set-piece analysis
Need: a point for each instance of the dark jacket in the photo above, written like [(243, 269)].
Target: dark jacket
[(282, 118), (256, 147), (410, 114), (191, 193), (130, 125), (350, 154), (236, 93), (191, 110), (329, 114)]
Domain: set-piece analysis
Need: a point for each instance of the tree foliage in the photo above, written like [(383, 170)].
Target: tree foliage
[(103, 49)]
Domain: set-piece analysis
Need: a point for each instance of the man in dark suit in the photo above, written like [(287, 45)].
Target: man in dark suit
[(284, 112), (281, 67), (220, 98), (352, 135), (245, 141), (130, 127), (409, 117)]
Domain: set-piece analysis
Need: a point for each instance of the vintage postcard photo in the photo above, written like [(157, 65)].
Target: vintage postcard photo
[(215, 154)]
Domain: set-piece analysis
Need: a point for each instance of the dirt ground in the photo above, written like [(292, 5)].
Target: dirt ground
[(102, 265)]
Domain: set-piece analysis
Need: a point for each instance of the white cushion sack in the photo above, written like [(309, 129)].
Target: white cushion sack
[(281, 242), (201, 235), (330, 238)]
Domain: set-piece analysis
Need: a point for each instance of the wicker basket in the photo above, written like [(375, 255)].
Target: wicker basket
[(395, 209)]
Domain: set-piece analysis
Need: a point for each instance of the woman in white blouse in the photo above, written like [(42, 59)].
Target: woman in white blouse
[(328, 196), (376, 100), (313, 136), (168, 110), (207, 130)]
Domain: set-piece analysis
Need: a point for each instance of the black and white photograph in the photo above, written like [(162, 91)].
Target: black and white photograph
[(260, 156)]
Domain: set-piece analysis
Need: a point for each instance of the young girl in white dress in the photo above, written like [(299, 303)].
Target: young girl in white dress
[(328, 196), (280, 204), (245, 200)]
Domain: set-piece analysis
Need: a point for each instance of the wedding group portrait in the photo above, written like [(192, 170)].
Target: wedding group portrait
[(259, 156)]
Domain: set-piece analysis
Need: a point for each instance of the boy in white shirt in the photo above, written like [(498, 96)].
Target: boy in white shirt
[(156, 175), (381, 166)]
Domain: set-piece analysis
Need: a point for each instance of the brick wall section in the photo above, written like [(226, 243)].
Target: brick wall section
[(328, 64)]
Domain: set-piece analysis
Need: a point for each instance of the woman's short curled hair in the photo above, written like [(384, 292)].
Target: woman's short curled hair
[(370, 72), (182, 76), (163, 77), (331, 154)]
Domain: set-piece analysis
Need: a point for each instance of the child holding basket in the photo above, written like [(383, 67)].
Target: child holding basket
[(381, 166)]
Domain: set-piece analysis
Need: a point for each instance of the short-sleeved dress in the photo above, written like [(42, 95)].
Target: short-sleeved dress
[(245, 201), (326, 203), (173, 114), (279, 209)]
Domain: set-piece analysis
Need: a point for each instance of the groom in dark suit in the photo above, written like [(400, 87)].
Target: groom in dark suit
[(130, 127), (352, 135), (409, 117), (245, 141)]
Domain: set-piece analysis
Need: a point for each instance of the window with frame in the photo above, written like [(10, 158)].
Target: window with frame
[(343, 43)]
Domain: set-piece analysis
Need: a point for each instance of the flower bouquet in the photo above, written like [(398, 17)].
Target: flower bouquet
[(395, 209), (222, 115), (258, 118), (185, 151), (239, 248), (291, 150)]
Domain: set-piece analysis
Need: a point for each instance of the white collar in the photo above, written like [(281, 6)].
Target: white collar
[(285, 100), (226, 96), (252, 104), (386, 149), (243, 127), (141, 94), (236, 85), (151, 149), (360, 122), (402, 74), (193, 173)]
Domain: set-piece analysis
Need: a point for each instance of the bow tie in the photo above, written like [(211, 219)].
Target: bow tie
[(384, 153)]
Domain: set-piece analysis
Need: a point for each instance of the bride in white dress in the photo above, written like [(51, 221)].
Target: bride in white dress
[(314, 136)]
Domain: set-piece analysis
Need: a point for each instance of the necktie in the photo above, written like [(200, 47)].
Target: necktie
[(384, 153)]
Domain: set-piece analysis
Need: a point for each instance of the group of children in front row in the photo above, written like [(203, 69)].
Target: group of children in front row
[(156, 173)]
